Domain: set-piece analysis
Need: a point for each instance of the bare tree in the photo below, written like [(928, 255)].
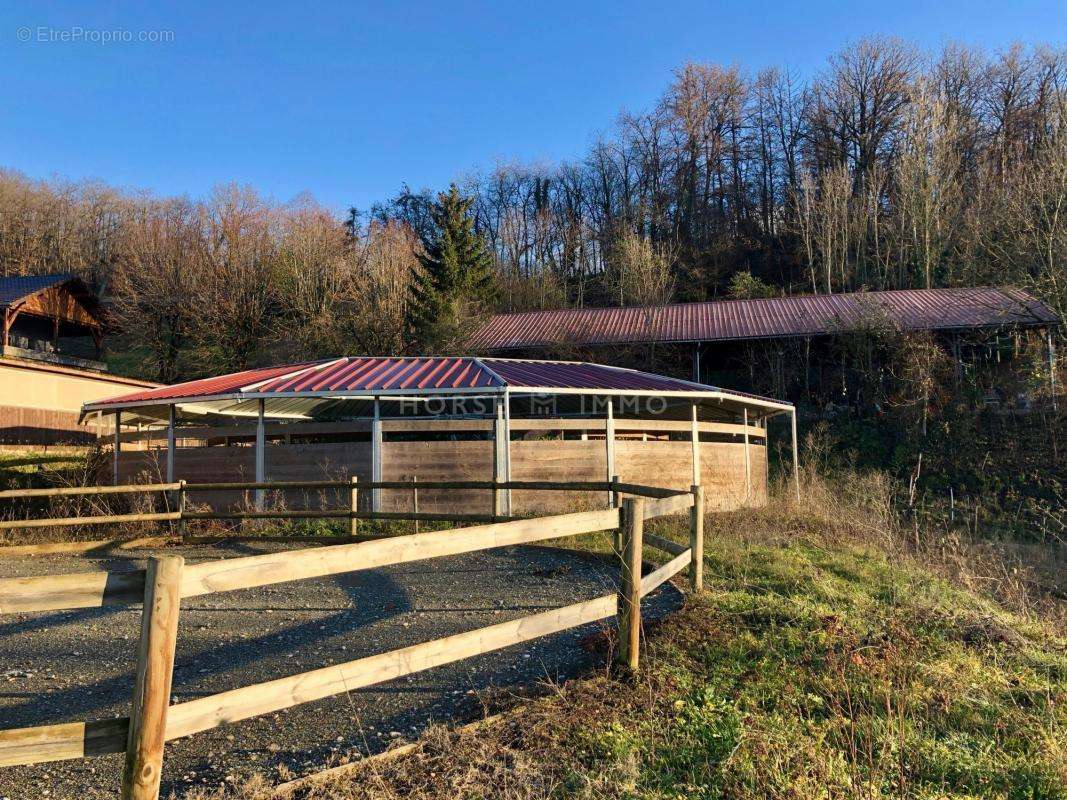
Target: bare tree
[(860, 103), (385, 266), (640, 272), (237, 301), (157, 282)]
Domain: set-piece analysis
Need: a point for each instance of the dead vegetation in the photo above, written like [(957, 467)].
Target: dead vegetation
[(832, 656)]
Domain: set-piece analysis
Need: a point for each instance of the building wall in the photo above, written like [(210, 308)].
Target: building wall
[(656, 463), (40, 403)]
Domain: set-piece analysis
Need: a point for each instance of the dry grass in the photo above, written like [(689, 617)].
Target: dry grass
[(75, 468), (833, 655)]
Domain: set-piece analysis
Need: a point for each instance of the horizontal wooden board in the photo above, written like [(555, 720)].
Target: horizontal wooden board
[(666, 545), (210, 712), (73, 590), (668, 505), (64, 491), (62, 742), (251, 571), (659, 576), (157, 436), (48, 548), (63, 522)]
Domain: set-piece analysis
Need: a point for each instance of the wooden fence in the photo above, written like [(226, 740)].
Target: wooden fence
[(167, 580), (180, 490)]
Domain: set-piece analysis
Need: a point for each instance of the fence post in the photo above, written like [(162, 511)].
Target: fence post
[(151, 688), (696, 540), (632, 522), (415, 498), (616, 498), (181, 509), (499, 470), (353, 522)]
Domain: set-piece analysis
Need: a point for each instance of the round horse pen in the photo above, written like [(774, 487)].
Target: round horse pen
[(506, 442), (446, 418)]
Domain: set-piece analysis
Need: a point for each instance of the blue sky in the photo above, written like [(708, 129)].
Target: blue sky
[(348, 100)]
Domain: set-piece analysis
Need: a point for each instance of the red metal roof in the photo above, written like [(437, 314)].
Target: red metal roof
[(569, 375), (208, 386), (385, 374), (809, 315), (417, 376)]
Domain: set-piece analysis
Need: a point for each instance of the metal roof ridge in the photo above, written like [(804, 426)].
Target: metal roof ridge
[(481, 363), (285, 376)]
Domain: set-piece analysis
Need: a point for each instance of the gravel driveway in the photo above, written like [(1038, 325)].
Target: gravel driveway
[(74, 665)]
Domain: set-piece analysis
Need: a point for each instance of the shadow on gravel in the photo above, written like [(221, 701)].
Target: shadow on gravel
[(83, 660), (197, 667)]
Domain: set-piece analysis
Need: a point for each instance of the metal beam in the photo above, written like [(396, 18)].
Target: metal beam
[(376, 455), (261, 453), (609, 444), (499, 457), (796, 456), (507, 450), (117, 449), (695, 436), (748, 464), (170, 444), (405, 394)]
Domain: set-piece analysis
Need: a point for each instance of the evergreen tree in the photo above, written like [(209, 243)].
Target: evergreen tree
[(457, 282)]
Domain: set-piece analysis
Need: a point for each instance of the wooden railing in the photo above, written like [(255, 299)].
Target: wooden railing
[(181, 491), (167, 580)]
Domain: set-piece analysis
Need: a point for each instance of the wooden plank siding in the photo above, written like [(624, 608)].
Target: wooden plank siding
[(666, 464), (40, 403)]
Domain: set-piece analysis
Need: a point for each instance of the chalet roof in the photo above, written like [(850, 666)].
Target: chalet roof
[(16, 288), (779, 317)]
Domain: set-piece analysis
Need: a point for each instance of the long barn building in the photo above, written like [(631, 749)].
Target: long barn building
[(714, 334)]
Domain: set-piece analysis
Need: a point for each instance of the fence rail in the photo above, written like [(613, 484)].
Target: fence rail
[(65, 491), (182, 490), (167, 580)]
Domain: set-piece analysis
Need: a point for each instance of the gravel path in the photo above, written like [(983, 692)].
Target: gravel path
[(74, 665)]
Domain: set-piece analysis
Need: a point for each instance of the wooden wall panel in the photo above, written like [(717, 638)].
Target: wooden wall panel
[(21, 425), (557, 460), (657, 463), (667, 464), (40, 403), (723, 475), (439, 461)]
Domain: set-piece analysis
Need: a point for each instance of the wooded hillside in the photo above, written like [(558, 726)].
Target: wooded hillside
[(890, 168)]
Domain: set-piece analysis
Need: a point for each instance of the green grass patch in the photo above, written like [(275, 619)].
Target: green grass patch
[(805, 670)]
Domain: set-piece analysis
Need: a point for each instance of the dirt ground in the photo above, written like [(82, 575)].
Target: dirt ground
[(77, 665)]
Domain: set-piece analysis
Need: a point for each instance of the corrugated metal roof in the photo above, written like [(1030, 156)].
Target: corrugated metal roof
[(207, 387), (364, 376), (809, 315), (386, 374), (569, 375)]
